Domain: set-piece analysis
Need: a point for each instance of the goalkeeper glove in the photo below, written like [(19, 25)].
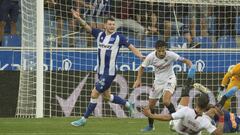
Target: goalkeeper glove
[(191, 72)]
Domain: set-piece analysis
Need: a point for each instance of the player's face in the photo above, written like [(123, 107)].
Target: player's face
[(161, 52), (110, 26)]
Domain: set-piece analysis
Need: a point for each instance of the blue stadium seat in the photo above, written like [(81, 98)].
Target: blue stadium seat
[(150, 41), (226, 42), (176, 42), (11, 41), (205, 42), (237, 25)]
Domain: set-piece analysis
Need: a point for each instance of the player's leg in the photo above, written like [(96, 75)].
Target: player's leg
[(168, 91), (151, 105), (184, 101), (154, 95), (233, 82), (92, 105), (167, 101), (201, 88), (101, 85), (226, 98), (118, 100)]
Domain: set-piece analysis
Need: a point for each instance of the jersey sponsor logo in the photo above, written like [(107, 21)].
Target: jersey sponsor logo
[(108, 46)]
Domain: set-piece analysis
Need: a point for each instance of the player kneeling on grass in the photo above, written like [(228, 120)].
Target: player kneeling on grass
[(231, 120), (165, 78), (192, 121)]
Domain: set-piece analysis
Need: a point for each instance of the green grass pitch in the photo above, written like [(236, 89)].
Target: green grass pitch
[(94, 126)]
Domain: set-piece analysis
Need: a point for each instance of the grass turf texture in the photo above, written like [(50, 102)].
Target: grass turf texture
[(94, 126)]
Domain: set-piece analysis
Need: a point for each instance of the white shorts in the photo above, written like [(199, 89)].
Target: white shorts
[(159, 89)]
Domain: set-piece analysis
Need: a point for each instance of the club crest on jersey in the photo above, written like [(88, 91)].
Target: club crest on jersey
[(102, 83), (112, 39)]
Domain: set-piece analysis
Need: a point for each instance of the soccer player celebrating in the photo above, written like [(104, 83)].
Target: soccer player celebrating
[(165, 79), (188, 121), (109, 43), (231, 79)]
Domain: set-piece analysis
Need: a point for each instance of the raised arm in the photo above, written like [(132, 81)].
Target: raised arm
[(136, 52), (81, 21)]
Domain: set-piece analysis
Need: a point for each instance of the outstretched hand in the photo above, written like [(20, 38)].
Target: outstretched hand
[(75, 14)]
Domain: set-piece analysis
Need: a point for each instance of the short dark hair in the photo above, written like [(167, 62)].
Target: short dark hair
[(202, 100), (160, 43), (109, 19)]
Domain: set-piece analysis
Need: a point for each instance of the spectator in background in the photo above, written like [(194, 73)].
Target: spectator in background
[(9, 10), (204, 20), (147, 16), (174, 21), (225, 20), (63, 13), (124, 17)]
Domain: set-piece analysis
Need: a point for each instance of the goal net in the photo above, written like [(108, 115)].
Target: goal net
[(204, 31)]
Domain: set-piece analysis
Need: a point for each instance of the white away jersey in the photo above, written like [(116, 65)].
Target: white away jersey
[(108, 48), (163, 67), (187, 122)]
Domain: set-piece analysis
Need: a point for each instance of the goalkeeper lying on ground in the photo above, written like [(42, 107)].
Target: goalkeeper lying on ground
[(231, 120)]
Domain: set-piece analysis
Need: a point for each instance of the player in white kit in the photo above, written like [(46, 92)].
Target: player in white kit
[(189, 121), (165, 79)]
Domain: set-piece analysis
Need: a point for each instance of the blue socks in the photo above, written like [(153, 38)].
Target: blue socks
[(93, 103), (231, 92), (118, 100), (91, 107)]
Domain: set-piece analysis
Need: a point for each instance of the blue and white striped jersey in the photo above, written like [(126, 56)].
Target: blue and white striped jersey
[(108, 48)]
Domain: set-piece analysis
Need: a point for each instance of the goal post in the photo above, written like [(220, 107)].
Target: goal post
[(59, 58), (40, 58)]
